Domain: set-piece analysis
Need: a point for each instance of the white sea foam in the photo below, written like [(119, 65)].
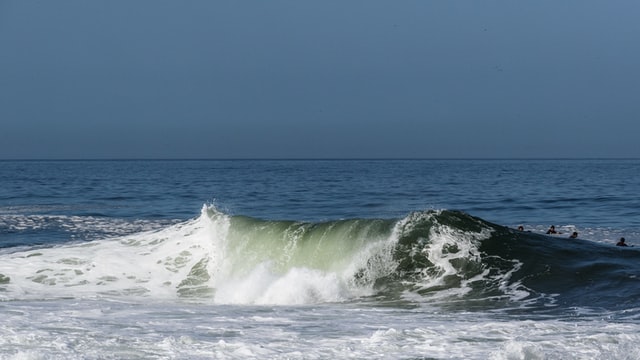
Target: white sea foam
[(195, 259), (148, 263), (81, 329), (298, 286)]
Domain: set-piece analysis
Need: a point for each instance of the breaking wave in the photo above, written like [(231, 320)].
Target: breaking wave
[(442, 257)]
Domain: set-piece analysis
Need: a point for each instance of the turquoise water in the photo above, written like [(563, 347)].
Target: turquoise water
[(319, 259)]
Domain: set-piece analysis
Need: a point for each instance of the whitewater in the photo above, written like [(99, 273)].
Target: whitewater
[(316, 260)]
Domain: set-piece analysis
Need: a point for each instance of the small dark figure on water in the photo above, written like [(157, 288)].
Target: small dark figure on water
[(621, 242), (574, 235), (552, 230), (520, 228)]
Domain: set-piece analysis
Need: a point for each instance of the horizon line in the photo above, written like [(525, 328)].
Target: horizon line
[(322, 159)]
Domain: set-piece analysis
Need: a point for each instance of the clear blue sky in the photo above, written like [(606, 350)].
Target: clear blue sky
[(319, 79)]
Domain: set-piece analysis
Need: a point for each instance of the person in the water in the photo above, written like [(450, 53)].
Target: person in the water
[(552, 230), (574, 235), (621, 242)]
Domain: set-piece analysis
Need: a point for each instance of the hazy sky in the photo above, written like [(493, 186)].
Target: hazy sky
[(319, 79)]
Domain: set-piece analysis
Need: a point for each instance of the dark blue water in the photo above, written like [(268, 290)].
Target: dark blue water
[(585, 193)]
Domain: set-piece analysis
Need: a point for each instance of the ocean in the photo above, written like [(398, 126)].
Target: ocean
[(319, 259)]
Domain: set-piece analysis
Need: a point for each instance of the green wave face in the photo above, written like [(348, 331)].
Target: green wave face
[(313, 262), (330, 246), (422, 253)]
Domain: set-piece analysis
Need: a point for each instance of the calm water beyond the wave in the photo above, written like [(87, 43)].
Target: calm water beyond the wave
[(336, 259)]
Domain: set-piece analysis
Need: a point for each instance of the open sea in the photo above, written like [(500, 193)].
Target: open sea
[(319, 259)]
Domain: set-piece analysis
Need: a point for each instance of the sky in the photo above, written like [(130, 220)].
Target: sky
[(162, 79)]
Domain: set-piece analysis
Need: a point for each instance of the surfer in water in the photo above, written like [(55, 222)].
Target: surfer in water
[(622, 242), (552, 230), (574, 235)]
